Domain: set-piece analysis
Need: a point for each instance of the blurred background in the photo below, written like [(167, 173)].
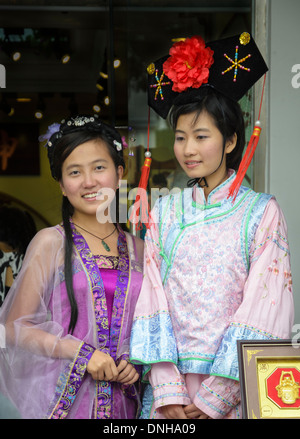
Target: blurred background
[(63, 57)]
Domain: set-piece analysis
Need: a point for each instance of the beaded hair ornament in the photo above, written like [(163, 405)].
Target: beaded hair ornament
[(231, 66), (56, 131)]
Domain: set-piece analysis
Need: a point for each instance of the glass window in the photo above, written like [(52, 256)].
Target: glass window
[(110, 45), (151, 28)]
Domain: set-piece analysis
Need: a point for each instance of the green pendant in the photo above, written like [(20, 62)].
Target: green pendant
[(105, 246)]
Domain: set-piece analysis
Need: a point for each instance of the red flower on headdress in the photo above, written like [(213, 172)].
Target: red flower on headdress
[(188, 64)]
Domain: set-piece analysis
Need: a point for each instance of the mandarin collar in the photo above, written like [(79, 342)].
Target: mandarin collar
[(217, 195)]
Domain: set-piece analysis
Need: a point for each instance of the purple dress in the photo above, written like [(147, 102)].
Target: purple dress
[(43, 366)]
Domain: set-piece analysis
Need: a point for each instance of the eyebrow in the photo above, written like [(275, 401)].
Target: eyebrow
[(75, 165), (207, 130)]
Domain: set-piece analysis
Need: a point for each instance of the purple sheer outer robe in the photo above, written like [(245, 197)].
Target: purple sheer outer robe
[(43, 367)]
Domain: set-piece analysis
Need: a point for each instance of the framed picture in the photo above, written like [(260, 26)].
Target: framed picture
[(269, 379)]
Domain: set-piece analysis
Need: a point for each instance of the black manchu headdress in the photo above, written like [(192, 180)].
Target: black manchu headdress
[(230, 65)]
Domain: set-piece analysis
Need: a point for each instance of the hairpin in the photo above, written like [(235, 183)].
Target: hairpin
[(54, 128)]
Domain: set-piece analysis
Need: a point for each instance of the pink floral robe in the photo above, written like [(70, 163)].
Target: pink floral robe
[(215, 272)]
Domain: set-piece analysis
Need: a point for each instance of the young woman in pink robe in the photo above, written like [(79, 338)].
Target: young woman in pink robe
[(217, 268)]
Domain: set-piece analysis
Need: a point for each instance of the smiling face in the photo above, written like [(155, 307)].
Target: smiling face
[(85, 172), (198, 148)]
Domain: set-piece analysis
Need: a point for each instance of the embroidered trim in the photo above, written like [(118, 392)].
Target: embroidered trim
[(170, 383), (72, 382), (150, 316), (196, 356), (107, 339), (170, 395), (245, 248), (226, 361), (194, 365), (217, 395), (254, 329), (252, 221), (210, 405), (109, 262), (272, 238), (168, 259), (161, 343)]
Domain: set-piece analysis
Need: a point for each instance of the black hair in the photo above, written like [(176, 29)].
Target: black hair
[(226, 113), (72, 137), (58, 152)]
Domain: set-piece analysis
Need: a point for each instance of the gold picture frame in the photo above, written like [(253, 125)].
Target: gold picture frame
[(269, 379)]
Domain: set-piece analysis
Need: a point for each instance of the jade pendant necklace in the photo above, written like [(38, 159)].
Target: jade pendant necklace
[(107, 248)]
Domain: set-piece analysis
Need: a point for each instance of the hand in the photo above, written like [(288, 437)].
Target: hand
[(102, 367), (127, 373), (192, 412), (173, 411)]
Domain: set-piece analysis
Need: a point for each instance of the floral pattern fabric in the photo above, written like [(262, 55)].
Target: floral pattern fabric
[(207, 267)]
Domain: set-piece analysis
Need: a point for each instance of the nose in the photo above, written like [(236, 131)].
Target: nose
[(88, 180), (189, 148)]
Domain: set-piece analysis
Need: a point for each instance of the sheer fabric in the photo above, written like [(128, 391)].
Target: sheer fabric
[(14, 261), (43, 367)]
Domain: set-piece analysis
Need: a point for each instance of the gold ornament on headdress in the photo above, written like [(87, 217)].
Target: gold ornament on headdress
[(151, 68), (244, 38)]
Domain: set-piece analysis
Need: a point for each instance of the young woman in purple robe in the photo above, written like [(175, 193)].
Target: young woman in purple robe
[(65, 327)]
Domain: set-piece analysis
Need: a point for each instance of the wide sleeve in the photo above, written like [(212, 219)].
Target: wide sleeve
[(35, 351), (266, 312), (153, 343)]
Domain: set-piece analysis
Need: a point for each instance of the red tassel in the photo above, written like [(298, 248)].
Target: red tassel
[(145, 173), (140, 210), (244, 165), (140, 213)]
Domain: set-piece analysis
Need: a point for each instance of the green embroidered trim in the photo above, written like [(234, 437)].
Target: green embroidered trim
[(205, 206), (225, 376), (178, 211), (231, 178), (162, 253), (223, 213), (195, 359)]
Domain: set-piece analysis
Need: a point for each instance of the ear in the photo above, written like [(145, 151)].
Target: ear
[(120, 172), (231, 144), (62, 188)]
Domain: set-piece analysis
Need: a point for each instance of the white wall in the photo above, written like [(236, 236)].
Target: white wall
[(284, 123)]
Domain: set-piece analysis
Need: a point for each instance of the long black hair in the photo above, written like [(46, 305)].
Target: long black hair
[(61, 146), (226, 113)]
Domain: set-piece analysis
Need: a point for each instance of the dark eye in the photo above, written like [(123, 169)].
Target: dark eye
[(75, 172)]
